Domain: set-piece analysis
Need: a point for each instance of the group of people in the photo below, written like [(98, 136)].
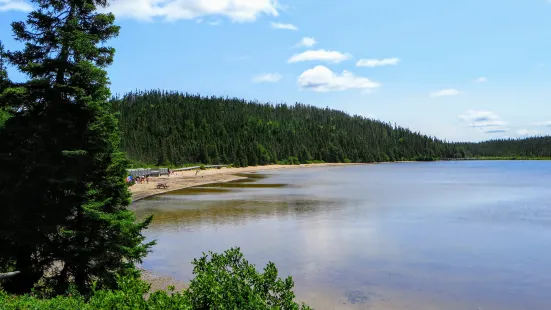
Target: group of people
[(142, 179), (139, 180)]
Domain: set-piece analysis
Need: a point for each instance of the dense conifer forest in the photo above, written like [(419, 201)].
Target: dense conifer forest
[(533, 147), (161, 127)]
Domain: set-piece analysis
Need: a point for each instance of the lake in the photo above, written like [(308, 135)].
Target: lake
[(436, 235)]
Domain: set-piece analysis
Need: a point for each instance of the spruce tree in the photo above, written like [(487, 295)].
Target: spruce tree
[(4, 84), (63, 192)]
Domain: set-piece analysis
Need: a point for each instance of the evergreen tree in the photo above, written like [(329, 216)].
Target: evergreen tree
[(63, 192), (183, 128), (4, 84), (531, 147)]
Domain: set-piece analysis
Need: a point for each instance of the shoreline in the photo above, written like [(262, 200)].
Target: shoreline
[(184, 179)]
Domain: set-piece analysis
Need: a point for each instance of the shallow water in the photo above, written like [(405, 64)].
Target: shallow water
[(442, 235)]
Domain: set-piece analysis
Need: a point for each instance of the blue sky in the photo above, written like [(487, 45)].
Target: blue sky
[(464, 70)]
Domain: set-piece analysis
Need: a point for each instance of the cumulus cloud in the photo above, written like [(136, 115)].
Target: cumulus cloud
[(320, 55), (284, 26), (15, 5), (267, 78), (481, 80), (322, 79), (486, 121), (377, 62), (235, 10), (306, 42), (445, 92)]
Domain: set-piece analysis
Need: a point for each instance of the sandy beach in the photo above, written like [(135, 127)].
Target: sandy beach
[(183, 179)]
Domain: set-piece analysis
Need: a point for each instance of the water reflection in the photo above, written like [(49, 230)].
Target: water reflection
[(406, 236), (174, 214)]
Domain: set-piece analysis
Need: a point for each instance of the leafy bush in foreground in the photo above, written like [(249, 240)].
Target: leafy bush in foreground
[(222, 281)]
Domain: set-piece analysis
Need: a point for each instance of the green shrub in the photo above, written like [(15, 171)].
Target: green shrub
[(222, 281), (228, 281), (293, 160)]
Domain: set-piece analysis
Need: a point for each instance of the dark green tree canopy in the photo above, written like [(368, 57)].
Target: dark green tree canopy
[(63, 191), (532, 147), (178, 128)]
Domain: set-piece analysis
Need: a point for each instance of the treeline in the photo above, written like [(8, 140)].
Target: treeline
[(534, 147), (161, 127)]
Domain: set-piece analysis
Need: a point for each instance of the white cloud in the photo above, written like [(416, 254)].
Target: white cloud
[(147, 10), (15, 5), (321, 79), (284, 26), (528, 132), (267, 78), (481, 80), (546, 124), (487, 121), (306, 42), (215, 23), (445, 92), (320, 55), (235, 10), (377, 62)]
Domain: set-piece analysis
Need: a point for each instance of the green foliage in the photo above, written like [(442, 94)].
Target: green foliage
[(4, 116), (291, 160), (183, 128), (228, 281), (528, 148), (64, 197), (222, 281), (5, 83)]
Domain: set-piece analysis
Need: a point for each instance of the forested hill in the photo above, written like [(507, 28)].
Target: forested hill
[(161, 127), (534, 147)]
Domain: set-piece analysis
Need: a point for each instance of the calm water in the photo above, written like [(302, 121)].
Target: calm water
[(445, 235)]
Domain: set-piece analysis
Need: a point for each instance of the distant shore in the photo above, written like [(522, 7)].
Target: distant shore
[(185, 179)]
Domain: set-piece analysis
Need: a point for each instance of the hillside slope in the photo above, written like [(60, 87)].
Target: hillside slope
[(161, 127)]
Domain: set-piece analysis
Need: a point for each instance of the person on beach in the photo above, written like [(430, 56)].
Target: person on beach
[(196, 172), (147, 179)]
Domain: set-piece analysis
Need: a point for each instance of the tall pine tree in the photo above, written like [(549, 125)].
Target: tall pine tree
[(4, 84), (63, 192)]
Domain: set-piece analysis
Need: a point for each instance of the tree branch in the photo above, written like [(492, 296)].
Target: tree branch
[(8, 275)]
